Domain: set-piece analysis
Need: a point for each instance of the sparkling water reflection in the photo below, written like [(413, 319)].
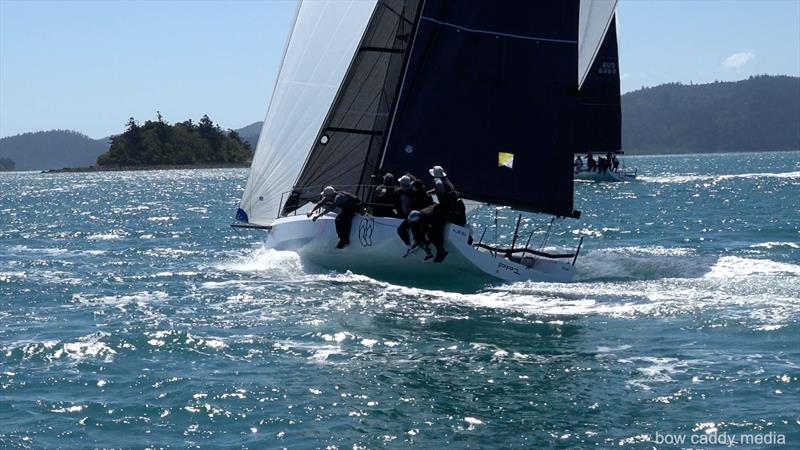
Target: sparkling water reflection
[(133, 316)]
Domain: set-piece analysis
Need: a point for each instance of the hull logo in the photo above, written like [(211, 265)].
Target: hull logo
[(365, 229), (507, 268)]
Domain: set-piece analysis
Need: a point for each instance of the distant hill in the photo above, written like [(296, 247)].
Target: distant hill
[(51, 149), (757, 114), (250, 133)]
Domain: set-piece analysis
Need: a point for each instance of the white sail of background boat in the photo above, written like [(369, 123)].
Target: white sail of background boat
[(489, 90)]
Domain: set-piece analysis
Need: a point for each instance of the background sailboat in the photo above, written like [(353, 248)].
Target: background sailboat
[(487, 90), (599, 108)]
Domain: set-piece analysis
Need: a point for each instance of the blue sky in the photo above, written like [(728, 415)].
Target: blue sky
[(89, 65)]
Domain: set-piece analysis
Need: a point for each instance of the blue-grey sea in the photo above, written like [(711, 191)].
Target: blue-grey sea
[(133, 316)]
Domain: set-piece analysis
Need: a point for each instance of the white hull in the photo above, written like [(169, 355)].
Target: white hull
[(376, 250), (609, 175)]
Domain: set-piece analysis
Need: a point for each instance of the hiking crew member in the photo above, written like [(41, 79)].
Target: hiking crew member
[(590, 162), (325, 204), (385, 198), (420, 198), (349, 205), (450, 205), (427, 225), (419, 230), (440, 213), (404, 196), (578, 163)]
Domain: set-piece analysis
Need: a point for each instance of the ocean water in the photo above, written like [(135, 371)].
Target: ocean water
[(132, 316)]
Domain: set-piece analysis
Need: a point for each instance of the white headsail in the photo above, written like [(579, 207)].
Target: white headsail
[(595, 16), (318, 53)]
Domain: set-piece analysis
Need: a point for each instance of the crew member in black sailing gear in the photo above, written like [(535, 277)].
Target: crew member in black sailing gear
[(450, 208), (609, 162), (325, 204), (615, 163), (430, 224), (590, 162), (437, 172), (385, 198), (602, 164), (578, 163), (404, 196), (420, 198), (450, 205), (349, 205), (419, 229), (414, 199)]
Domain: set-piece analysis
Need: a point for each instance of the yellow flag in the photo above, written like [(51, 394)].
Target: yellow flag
[(505, 159)]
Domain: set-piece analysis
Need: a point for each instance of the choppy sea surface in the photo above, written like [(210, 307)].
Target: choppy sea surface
[(133, 316)]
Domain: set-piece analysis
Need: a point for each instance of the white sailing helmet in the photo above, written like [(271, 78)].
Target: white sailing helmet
[(328, 191), (437, 172), (405, 181), (414, 216)]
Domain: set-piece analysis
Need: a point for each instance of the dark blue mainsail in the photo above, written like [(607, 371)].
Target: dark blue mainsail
[(599, 111), (485, 89), (492, 78)]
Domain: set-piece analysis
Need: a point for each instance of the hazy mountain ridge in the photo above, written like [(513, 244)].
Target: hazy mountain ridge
[(760, 113), (757, 114), (250, 133), (52, 149)]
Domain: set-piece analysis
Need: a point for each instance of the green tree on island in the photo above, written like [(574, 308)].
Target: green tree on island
[(159, 143), (6, 164)]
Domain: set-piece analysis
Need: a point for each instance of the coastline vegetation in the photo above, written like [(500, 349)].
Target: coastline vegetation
[(6, 164), (158, 143)]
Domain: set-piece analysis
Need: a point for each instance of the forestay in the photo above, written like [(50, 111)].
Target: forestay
[(318, 52)]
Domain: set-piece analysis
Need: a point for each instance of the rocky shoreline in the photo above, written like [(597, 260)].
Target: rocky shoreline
[(154, 167)]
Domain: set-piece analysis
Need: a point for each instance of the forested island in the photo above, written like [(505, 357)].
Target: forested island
[(157, 143)]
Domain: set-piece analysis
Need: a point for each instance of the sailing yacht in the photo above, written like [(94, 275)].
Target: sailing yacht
[(600, 114), (489, 90)]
